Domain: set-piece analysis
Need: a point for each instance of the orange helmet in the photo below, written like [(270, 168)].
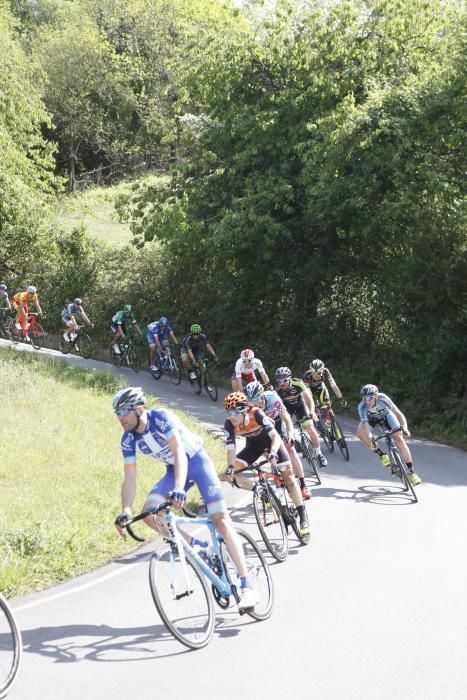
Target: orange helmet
[(235, 400)]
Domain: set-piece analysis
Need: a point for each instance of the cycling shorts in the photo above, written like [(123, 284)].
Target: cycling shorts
[(151, 337), (114, 328), (389, 421), (255, 448), (299, 410), (201, 471)]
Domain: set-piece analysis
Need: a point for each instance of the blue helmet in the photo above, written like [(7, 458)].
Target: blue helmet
[(3, 287), (130, 397), (164, 321), (77, 301), (254, 390), (369, 390)]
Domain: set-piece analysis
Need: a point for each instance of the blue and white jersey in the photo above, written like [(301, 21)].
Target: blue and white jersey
[(274, 404), (72, 310), (162, 425), (3, 297), (162, 332), (383, 406)]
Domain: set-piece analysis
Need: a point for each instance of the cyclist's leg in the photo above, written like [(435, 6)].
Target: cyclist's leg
[(285, 467), (185, 358), (364, 434), (152, 349), (201, 470), (248, 455)]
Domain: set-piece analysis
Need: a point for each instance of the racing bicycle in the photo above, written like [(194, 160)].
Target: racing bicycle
[(305, 446), (81, 343), (201, 377), (128, 355), (167, 364), (330, 430), (179, 577), (10, 648), (398, 466), (34, 332), (6, 322)]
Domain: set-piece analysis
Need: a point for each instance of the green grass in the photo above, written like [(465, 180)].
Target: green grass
[(61, 471), (95, 208)]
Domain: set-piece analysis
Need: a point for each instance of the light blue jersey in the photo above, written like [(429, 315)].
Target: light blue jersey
[(384, 409)]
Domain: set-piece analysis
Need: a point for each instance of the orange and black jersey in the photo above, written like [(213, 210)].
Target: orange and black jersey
[(256, 427)]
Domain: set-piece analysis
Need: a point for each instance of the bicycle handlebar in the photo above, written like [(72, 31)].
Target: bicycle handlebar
[(386, 433), (152, 511)]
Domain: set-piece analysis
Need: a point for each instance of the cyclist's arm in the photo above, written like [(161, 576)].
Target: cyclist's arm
[(174, 339), (137, 328), (309, 402), (129, 488), (39, 308), (86, 319), (401, 418), (180, 460), (264, 377), (209, 348), (285, 417)]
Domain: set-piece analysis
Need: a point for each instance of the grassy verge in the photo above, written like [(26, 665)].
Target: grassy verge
[(61, 471)]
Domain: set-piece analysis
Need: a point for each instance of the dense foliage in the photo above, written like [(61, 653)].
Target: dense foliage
[(317, 188)]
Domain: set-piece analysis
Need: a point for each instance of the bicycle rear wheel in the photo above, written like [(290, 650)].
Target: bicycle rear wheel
[(291, 517), (270, 522), (209, 385), (174, 371), (37, 336), (64, 345), (85, 347), (10, 648), (404, 474), (185, 606), (258, 571), (310, 458), (338, 436)]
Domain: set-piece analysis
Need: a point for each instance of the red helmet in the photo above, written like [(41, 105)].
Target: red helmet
[(247, 354)]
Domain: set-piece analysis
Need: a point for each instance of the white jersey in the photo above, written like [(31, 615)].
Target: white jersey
[(244, 370)]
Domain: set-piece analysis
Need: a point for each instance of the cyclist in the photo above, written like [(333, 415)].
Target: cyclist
[(270, 402), (160, 434), (118, 326), (254, 425), (245, 368), (4, 300), (377, 408), (299, 402), (158, 335), (68, 317), (191, 348), (21, 302), (315, 378)]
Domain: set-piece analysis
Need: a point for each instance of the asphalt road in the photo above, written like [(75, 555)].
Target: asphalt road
[(374, 608)]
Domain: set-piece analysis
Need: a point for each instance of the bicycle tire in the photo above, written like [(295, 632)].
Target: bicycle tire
[(133, 359), (209, 385), (6, 328), (85, 346), (310, 457), (270, 522), (257, 570), (326, 433), (339, 438), (290, 515), (37, 336), (404, 474), (10, 649), (189, 618), (196, 384), (174, 371), (115, 357), (64, 345)]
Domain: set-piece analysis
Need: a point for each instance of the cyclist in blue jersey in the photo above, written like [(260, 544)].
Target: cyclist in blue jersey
[(271, 403), (160, 434), (158, 334), (377, 408), (68, 317), (4, 300)]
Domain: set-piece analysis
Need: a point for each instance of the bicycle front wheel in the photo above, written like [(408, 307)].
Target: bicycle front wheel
[(85, 347), (209, 385), (174, 372), (10, 648), (64, 345), (133, 359), (182, 597), (258, 572), (339, 438), (404, 474), (37, 336), (309, 455), (270, 522)]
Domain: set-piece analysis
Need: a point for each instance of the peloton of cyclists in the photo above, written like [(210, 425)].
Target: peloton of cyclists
[(270, 402), (68, 317), (299, 402), (21, 302), (377, 408), (251, 423), (118, 325), (192, 345), (245, 370), (159, 333)]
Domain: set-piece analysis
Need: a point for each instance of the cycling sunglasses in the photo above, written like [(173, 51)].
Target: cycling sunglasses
[(235, 412), (122, 411)]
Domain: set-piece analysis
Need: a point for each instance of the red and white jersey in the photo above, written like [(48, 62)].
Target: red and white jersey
[(247, 370)]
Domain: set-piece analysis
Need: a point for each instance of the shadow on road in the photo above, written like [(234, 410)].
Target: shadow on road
[(376, 495)]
